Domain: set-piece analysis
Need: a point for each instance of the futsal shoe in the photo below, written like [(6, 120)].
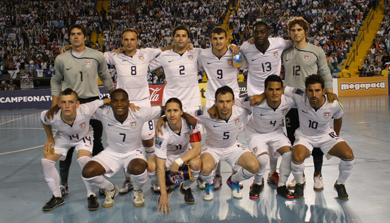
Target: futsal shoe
[(235, 187), (53, 203)]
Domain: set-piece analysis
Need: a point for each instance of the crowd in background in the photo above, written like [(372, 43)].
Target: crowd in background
[(33, 32)]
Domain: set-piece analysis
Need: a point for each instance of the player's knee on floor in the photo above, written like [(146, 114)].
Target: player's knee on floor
[(137, 167)]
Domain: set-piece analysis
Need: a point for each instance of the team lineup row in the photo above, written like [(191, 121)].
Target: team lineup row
[(79, 67)]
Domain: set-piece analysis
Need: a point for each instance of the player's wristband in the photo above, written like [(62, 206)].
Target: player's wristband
[(179, 161)]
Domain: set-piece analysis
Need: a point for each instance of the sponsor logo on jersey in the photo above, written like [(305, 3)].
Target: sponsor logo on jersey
[(88, 64), (82, 125), (141, 58), (158, 141), (326, 115), (191, 57), (133, 125), (229, 62), (237, 121), (276, 54), (306, 57)]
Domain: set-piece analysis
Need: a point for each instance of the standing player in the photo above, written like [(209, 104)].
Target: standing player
[(264, 59), (178, 144), (132, 67), (265, 129), (74, 130), (300, 61), (315, 114), (221, 144), (218, 65), (123, 129), (181, 71), (79, 70)]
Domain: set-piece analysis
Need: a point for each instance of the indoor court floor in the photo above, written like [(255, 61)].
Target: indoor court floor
[(23, 190)]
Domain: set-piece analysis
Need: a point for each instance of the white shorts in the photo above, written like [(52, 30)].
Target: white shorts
[(260, 142), (230, 155), (113, 161), (148, 127), (325, 142), (172, 157), (63, 144), (148, 130)]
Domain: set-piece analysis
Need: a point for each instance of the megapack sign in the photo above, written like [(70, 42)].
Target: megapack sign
[(362, 86)]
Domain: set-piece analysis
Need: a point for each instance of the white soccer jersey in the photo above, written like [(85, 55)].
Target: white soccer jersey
[(314, 122), (222, 133), (171, 143), (260, 65), (132, 71), (265, 119), (80, 126), (181, 73), (220, 72), (125, 137)]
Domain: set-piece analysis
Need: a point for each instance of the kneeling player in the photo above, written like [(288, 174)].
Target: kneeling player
[(178, 144), (221, 144), (264, 129), (123, 128), (73, 130), (315, 114)]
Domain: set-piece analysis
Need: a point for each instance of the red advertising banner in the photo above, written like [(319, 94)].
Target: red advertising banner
[(156, 94)]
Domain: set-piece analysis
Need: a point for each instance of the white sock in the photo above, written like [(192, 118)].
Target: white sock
[(100, 182), (345, 169), (241, 175), (285, 168), (208, 179), (273, 162), (82, 161), (139, 180), (51, 176), (263, 160), (187, 183), (297, 171), (149, 151), (153, 176)]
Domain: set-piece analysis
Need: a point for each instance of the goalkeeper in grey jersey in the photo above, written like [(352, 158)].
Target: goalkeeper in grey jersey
[(300, 61)]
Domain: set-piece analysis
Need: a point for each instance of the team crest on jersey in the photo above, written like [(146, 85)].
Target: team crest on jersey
[(88, 64), (276, 54), (237, 121), (187, 134), (141, 58), (306, 57), (284, 112), (199, 112), (255, 150), (191, 57), (133, 125), (229, 62), (82, 125), (158, 142), (326, 115)]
